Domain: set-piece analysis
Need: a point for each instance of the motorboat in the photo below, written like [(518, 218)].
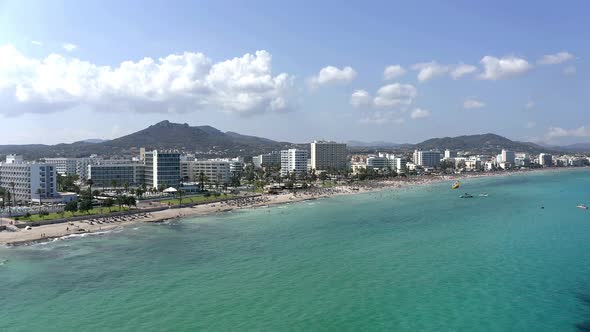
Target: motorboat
[(483, 195), (466, 195), (582, 206)]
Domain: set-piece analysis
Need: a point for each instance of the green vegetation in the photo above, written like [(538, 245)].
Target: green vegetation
[(197, 199), (58, 215)]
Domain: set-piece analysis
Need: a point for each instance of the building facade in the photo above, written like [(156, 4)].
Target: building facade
[(293, 160), (545, 160), (117, 175), (267, 159), (162, 169), (427, 159), (29, 182), (328, 155), (214, 171)]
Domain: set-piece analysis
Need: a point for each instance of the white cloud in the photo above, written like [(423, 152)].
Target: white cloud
[(500, 68), (473, 103), (393, 71), (360, 98), (530, 125), (69, 47), (556, 132), (332, 75), (419, 113), (429, 70), (36, 42), (530, 105), (175, 83), (394, 95), (569, 70), (461, 70), (555, 59)]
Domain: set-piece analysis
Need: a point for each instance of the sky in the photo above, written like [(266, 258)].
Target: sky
[(395, 71)]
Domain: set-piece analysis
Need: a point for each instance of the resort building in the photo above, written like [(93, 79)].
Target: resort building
[(293, 160), (450, 154), (328, 155), (117, 175), (508, 157), (545, 160), (63, 166), (427, 159), (162, 169), (267, 159), (215, 171), (29, 182)]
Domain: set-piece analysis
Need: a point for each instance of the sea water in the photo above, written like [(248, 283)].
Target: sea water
[(414, 259)]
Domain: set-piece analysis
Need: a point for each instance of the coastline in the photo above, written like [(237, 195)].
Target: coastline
[(53, 232)]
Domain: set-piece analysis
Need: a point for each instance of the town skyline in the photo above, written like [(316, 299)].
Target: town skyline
[(390, 79)]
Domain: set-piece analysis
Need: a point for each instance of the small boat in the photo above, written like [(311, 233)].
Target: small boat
[(466, 195), (456, 185), (483, 195), (582, 206)]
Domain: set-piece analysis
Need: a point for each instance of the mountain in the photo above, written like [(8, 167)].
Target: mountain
[(94, 140), (374, 144), (485, 143), (203, 140), (576, 147)]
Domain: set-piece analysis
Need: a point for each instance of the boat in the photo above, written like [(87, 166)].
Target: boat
[(466, 195), (582, 206), (483, 195), (456, 185)]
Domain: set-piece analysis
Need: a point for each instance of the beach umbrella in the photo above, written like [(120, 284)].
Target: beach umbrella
[(170, 190)]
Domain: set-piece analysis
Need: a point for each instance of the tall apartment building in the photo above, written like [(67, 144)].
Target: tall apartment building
[(429, 159), (545, 160), (214, 170), (293, 160), (162, 168), (508, 156), (267, 159), (28, 181), (328, 155), (63, 166), (450, 154)]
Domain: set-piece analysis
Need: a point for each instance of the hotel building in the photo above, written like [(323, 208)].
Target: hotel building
[(328, 155), (162, 168), (29, 181), (293, 160)]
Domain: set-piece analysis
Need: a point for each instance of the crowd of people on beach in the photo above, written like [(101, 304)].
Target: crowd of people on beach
[(118, 219)]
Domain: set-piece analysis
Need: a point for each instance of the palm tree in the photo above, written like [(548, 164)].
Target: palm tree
[(89, 182), (114, 184), (126, 186), (39, 192)]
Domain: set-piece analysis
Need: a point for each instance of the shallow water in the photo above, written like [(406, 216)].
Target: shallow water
[(405, 260)]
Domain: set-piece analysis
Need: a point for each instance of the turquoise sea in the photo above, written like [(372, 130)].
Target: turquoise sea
[(417, 259)]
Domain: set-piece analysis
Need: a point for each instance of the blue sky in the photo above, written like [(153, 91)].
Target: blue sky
[(74, 70)]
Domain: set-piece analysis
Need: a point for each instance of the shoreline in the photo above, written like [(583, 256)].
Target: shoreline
[(54, 232)]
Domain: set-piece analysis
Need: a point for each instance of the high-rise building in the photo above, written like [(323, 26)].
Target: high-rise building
[(328, 155), (293, 160), (429, 159), (267, 159), (545, 160), (28, 181), (450, 154), (162, 168), (508, 156), (63, 166)]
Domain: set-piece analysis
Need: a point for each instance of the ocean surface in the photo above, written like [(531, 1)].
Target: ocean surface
[(415, 259)]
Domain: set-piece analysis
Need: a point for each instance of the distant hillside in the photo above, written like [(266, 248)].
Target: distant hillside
[(163, 135), (485, 143)]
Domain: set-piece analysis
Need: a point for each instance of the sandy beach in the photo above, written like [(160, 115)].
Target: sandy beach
[(91, 225)]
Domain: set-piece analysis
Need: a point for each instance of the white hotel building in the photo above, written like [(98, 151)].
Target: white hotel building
[(215, 171), (293, 160), (29, 181)]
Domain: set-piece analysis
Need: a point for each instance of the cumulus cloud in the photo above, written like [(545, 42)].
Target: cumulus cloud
[(69, 47), (360, 98), (419, 113), (461, 70), (429, 70), (556, 132), (569, 70), (175, 83), (393, 71), (500, 68), (473, 103), (332, 75), (555, 59), (394, 95)]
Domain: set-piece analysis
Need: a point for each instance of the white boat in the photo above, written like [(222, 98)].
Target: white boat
[(582, 206)]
